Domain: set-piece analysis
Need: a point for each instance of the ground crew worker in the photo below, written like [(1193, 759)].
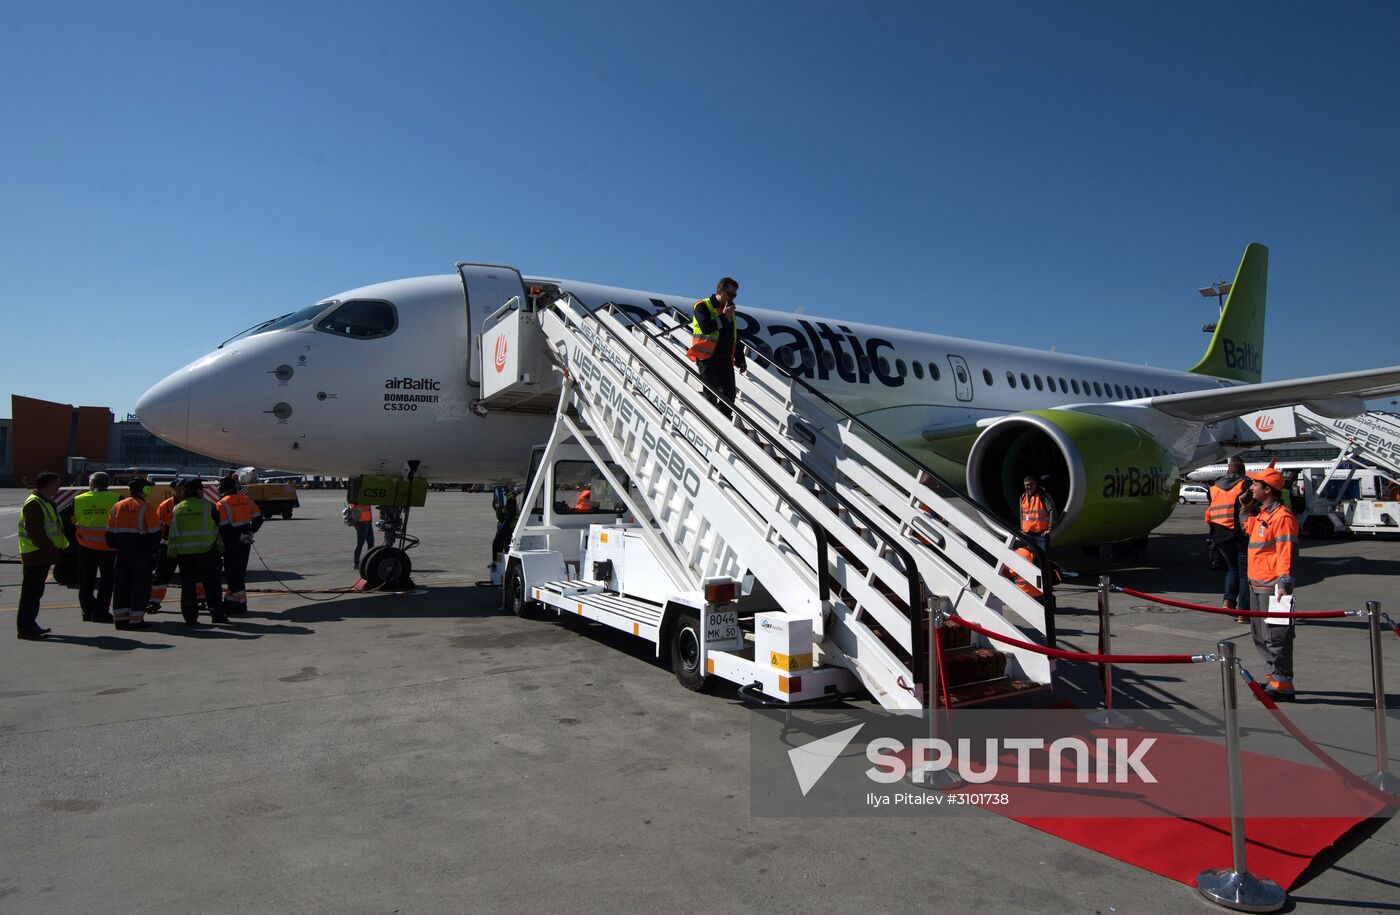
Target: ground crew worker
[(195, 545), (1027, 587), (364, 530), (1037, 512), (584, 502), (506, 514), (134, 532), (165, 563), (41, 541), (239, 519), (1273, 545), (715, 345), (1228, 497), (95, 558)]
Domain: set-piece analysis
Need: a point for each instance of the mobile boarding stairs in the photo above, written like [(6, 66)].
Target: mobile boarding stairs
[(1370, 447), (786, 548)]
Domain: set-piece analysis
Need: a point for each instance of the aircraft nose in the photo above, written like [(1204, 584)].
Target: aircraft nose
[(165, 409)]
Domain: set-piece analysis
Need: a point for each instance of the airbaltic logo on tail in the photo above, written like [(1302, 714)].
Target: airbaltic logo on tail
[(1245, 357)]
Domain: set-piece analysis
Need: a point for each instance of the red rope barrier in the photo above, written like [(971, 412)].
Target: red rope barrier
[(1300, 614), (1349, 777), (942, 677), (1079, 655)]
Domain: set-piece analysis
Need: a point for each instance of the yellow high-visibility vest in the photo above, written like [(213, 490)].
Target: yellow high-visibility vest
[(52, 526)]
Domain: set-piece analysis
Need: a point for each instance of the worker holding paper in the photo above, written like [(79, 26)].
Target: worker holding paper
[(1273, 546)]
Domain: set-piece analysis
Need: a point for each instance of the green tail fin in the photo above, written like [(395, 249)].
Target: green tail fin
[(1237, 347)]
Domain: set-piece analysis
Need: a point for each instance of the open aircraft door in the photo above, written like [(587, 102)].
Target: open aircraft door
[(516, 369), (486, 287)]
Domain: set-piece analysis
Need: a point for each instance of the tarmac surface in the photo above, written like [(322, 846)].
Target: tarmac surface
[(428, 752)]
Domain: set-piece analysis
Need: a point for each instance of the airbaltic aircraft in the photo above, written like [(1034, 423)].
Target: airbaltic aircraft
[(369, 379)]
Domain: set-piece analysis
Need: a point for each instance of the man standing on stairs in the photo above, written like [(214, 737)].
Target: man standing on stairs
[(715, 345), (1037, 512)]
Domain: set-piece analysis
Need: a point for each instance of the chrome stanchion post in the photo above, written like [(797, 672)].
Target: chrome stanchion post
[(1107, 716), (1381, 778), (935, 779), (1235, 887)]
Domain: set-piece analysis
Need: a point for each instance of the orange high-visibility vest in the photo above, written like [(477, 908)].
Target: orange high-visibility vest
[(1015, 576), (1221, 510), (1273, 542), (237, 510), (366, 513), (132, 516), (584, 502), (1035, 514), (166, 511)]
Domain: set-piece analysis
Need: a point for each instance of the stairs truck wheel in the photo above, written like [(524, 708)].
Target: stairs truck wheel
[(386, 567), (686, 662), (286, 514), (1319, 528), (514, 595)]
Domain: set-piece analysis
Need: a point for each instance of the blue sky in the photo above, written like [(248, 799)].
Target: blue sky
[(1041, 174)]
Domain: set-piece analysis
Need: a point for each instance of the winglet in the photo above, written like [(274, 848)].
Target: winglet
[(1236, 348)]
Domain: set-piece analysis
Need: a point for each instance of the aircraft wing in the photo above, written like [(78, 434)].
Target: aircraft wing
[(1337, 396)]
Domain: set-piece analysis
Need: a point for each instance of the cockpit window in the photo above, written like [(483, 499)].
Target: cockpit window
[(361, 318), (294, 319)]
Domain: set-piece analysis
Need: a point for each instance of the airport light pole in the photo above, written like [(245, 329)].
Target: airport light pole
[(1219, 289)]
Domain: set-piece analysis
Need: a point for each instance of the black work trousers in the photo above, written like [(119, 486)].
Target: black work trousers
[(131, 590), (95, 573), (236, 554), (31, 589), (200, 569), (718, 373)]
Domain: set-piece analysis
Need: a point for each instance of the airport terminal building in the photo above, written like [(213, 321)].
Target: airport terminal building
[(42, 435)]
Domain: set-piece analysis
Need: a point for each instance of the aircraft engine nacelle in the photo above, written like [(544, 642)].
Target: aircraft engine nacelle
[(1111, 481)]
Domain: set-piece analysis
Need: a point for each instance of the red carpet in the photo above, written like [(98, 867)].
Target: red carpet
[(1181, 847), (1181, 832)]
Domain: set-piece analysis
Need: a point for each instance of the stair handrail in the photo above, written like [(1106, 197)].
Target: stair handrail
[(823, 585), (911, 567), (1042, 559)]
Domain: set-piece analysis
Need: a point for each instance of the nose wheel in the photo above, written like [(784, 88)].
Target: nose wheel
[(386, 567)]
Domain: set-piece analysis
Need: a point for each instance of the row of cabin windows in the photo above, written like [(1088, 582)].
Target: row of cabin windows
[(1086, 387), (1065, 386)]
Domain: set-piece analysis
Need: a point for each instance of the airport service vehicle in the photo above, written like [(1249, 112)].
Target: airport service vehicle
[(372, 378), (1193, 493), (1358, 492), (1350, 498), (788, 548)]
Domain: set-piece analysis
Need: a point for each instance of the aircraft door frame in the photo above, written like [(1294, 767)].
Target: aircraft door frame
[(485, 288), (962, 378)]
